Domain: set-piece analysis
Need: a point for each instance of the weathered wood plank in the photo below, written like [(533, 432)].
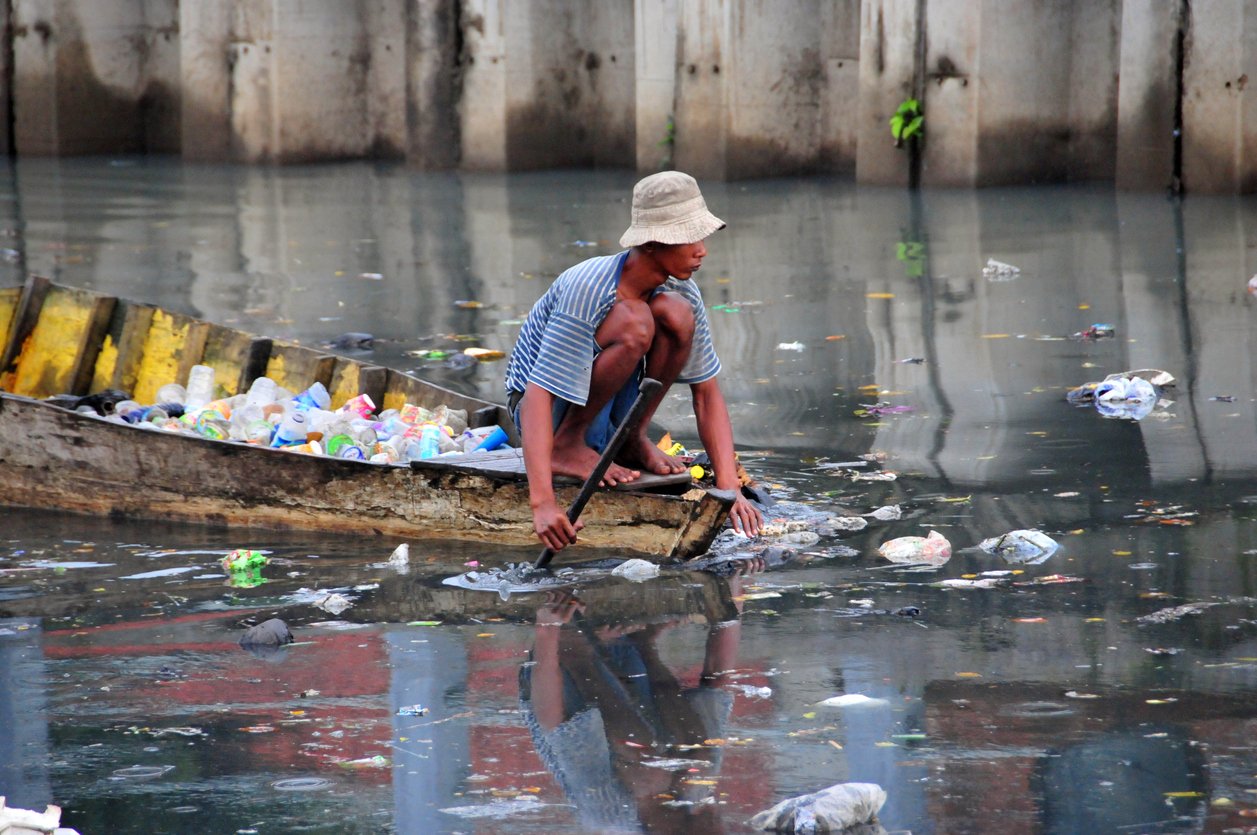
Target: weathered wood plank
[(58, 351), (25, 319), (351, 378), (296, 367), (10, 297), (122, 347), (173, 344), (229, 352)]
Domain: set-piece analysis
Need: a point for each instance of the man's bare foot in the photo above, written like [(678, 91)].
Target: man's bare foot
[(579, 460), (640, 452)]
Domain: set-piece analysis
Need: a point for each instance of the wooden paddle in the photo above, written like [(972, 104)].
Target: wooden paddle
[(649, 386)]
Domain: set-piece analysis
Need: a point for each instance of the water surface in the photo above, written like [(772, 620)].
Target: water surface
[(1041, 704)]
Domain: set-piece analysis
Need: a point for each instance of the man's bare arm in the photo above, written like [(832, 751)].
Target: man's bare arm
[(550, 523), (716, 432)]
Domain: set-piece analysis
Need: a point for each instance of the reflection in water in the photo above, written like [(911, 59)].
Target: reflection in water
[(630, 745), (973, 728)]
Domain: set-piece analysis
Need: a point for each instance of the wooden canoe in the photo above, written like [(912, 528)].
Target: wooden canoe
[(61, 340)]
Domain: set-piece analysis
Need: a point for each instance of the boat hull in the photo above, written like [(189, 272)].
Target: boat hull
[(53, 458)]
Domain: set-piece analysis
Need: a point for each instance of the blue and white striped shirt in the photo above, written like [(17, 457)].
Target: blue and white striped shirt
[(556, 346)]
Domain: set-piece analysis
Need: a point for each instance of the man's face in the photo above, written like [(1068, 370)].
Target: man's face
[(680, 260)]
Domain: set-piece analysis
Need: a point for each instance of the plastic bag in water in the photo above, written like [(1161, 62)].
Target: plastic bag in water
[(1025, 547), (636, 570), (933, 550), (834, 809)]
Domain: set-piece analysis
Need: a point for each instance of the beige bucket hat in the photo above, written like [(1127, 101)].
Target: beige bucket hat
[(668, 208)]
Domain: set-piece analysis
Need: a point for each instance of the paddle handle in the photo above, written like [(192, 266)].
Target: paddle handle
[(648, 388)]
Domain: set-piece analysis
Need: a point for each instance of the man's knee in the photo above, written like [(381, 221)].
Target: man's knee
[(673, 316), (630, 324)]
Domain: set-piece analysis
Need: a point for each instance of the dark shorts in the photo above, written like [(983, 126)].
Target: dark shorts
[(603, 425)]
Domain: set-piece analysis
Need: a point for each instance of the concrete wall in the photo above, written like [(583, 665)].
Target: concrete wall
[(1013, 90), (94, 76)]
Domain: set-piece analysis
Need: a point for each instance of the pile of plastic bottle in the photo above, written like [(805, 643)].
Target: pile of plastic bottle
[(269, 415)]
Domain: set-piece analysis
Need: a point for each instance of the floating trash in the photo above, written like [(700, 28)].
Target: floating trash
[(302, 784), (852, 700), (636, 571), (500, 809), (400, 558), (1038, 710), (999, 269), (242, 559), (142, 772), (1022, 547), (412, 710), (333, 603), (838, 808), (932, 550), (887, 513)]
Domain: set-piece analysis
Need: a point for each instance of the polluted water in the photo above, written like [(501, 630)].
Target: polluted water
[(1106, 687)]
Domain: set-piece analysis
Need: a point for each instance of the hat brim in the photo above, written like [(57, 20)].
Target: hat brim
[(687, 231)]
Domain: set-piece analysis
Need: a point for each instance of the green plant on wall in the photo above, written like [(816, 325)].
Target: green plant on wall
[(907, 122), (668, 143)]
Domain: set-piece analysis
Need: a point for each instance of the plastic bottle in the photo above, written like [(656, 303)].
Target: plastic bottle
[(200, 387), (429, 445), (261, 392), (292, 429), (315, 396)]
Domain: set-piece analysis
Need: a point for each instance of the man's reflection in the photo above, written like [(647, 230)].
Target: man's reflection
[(622, 736)]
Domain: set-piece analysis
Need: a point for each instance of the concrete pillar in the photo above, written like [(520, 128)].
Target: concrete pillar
[(6, 77), (1219, 114), (571, 94), (839, 26), (1148, 95), (1011, 91), (95, 77), (656, 41), (888, 34), (206, 65), (483, 105), (294, 80), (763, 88), (433, 83), (547, 84), (702, 95)]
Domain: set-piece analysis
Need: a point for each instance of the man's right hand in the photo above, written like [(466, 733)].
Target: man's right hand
[(553, 528)]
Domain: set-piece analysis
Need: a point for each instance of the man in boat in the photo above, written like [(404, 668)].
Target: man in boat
[(597, 330)]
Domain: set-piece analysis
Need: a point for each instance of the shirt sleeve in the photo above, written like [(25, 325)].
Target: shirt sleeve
[(565, 357), (565, 360), (703, 363)]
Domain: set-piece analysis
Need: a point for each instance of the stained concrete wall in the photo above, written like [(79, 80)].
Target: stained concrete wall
[(94, 76), (294, 80), (1143, 93), (763, 87)]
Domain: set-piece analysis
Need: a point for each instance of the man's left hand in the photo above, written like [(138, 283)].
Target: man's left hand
[(745, 517)]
